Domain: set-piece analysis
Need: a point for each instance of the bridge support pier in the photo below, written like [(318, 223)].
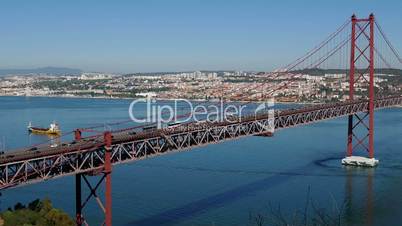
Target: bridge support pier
[(78, 200), (105, 173), (78, 195), (108, 178), (361, 71)]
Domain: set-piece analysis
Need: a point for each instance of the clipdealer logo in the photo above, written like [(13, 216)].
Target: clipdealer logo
[(162, 113)]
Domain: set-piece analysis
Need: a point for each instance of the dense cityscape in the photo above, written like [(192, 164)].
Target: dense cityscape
[(308, 86)]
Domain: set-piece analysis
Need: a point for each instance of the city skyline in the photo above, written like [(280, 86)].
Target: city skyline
[(152, 36)]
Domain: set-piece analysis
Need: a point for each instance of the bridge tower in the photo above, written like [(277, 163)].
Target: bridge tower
[(362, 74), (105, 176)]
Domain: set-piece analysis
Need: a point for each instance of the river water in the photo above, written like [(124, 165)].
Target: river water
[(221, 184)]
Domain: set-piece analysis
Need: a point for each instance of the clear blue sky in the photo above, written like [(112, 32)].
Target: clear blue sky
[(175, 35)]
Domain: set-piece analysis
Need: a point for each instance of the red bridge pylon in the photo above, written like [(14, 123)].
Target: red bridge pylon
[(361, 126), (105, 176)]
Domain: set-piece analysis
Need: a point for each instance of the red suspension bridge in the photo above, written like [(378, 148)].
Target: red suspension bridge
[(351, 48)]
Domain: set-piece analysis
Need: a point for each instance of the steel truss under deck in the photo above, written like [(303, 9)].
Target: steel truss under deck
[(132, 148)]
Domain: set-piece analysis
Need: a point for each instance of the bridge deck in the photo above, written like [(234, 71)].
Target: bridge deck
[(35, 165)]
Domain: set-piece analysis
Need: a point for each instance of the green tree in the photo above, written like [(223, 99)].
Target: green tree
[(37, 213)]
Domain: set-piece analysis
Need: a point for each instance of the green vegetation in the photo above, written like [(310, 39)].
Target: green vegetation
[(73, 84), (37, 213), (239, 79)]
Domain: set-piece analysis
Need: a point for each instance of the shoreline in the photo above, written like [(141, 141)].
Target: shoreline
[(161, 99)]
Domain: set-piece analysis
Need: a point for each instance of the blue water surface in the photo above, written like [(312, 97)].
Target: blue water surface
[(221, 184)]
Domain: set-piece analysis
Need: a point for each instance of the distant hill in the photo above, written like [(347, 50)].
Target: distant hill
[(43, 70)]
